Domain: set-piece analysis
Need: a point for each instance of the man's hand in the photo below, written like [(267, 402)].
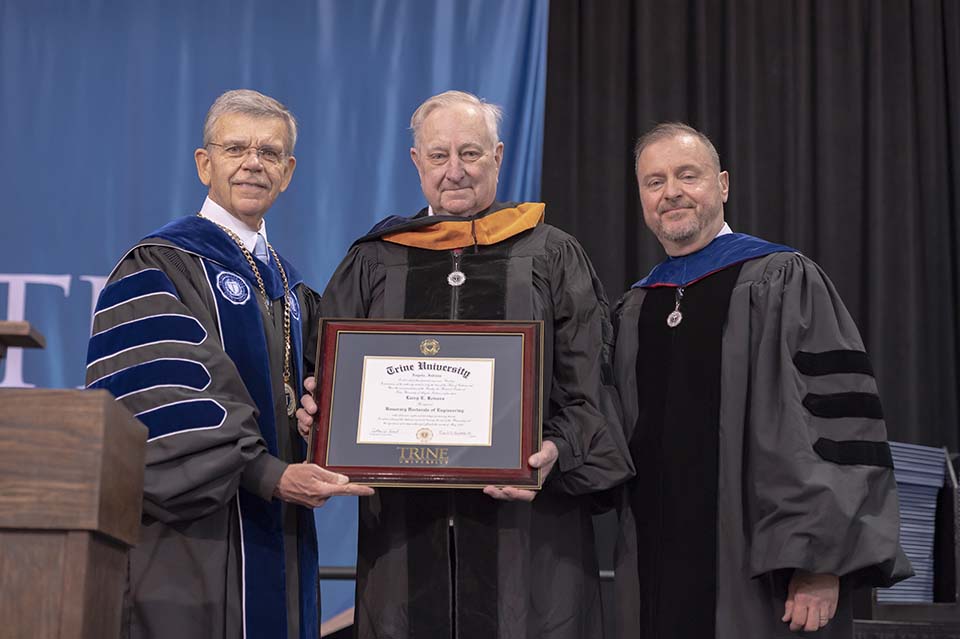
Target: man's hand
[(544, 460), (811, 600), (308, 407), (310, 485)]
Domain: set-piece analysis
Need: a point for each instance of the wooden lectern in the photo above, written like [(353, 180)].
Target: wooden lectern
[(19, 334), (71, 484)]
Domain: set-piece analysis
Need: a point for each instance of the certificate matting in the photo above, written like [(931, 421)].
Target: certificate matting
[(510, 352)]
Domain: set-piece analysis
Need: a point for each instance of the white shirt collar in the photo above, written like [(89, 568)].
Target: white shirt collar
[(724, 230), (216, 213)]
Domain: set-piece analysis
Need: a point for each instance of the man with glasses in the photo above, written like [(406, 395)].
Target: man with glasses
[(200, 333)]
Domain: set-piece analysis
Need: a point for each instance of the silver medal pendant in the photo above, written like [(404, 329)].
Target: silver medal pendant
[(674, 318), (456, 278), (291, 399)]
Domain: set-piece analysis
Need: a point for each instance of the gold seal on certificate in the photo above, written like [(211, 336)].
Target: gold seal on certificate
[(430, 346), (393, 411)]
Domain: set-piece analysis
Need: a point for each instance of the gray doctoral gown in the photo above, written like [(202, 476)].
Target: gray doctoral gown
[(182, 338), (793, 487)]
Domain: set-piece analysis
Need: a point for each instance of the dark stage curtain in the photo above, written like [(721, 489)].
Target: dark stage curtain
[(839, 121)]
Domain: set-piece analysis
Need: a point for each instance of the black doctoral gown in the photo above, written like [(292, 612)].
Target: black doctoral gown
[(437, 562)]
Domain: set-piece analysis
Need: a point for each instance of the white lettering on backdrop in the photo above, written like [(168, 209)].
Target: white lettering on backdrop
[(18, 284)]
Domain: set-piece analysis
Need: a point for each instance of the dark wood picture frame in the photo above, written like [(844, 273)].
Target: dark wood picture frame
[(512, 344)]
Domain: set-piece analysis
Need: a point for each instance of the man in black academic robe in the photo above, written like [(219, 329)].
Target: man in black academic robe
[(764, 486), (502, 563)]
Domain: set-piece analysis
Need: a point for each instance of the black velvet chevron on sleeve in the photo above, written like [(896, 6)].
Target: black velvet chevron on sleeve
[(854, 452), (837, 405), (833, 362)]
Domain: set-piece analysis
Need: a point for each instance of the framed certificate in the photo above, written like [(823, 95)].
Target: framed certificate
[(446, 404)]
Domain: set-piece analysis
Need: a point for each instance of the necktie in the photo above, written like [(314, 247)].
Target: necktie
[(260, 250)]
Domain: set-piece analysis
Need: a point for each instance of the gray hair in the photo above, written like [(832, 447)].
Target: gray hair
[(252, 103), (666, 130), (492, 113)]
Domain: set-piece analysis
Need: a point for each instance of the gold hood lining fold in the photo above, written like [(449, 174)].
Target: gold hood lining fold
[(490, 229)]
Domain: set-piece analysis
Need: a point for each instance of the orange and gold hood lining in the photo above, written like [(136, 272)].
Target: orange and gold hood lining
[(489, 229)]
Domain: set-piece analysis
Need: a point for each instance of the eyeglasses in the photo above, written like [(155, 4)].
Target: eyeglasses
[(266, 154)]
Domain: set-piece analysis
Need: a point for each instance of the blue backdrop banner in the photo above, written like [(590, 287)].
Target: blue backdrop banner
[(101, 108)]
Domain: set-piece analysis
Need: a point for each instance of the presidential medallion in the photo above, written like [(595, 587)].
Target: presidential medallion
[(291, 399)]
